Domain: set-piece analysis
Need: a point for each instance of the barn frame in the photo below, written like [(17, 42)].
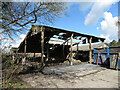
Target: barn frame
[(37, 42)]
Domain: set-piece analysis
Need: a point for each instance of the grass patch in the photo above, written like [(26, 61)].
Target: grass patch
[(13, 83)]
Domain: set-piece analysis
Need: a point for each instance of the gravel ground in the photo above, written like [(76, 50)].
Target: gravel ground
[(76, 76)]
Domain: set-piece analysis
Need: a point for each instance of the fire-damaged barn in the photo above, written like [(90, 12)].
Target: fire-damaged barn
[(53, 44), (81, 52)]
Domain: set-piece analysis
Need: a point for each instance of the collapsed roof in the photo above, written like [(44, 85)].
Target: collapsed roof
[(33, 38), (86, 47)]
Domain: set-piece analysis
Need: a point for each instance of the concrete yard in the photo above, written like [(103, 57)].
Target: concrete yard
[(77, 76)]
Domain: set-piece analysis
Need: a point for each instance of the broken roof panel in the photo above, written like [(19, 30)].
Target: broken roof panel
[(86, 47), (33, 37)]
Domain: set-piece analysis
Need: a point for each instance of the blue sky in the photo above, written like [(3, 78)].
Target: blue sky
[(75, 21), (77, 17), (94, 18)]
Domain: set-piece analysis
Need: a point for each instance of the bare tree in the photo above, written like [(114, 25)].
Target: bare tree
[(17, 16)]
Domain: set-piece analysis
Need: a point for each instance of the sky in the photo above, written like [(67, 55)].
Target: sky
[(93, 18)]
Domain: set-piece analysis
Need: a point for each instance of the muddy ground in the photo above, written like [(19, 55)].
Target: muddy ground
[(77, 76)]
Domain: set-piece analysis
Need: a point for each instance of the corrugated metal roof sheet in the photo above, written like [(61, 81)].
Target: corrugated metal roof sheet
[(86, 47)]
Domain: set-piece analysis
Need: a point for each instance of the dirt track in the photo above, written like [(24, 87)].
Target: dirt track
[(76, 76)]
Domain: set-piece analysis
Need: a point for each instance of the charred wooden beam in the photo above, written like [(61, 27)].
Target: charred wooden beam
[(77, 47), (90, 48), (25, 46), (30, 54), (42, 46), (56, 40), (47, 52), (61, 41), (63, 50), (71, 56), (103, 43)]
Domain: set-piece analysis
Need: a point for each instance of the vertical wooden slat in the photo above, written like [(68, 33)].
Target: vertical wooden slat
[(71, 50), (90, 48), (42, 46), (63, 50), (77, 47), (47, 51), (25, 46), (103, 44)]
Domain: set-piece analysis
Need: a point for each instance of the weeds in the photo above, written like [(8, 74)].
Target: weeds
[(11, 68)]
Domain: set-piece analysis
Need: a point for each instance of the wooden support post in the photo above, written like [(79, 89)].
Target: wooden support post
[(42, 46), (25, 47), (77, 47), (13, 57), (67, 42), (90, 48), (103, 43), (47, 51), (71, 56), (63, 50)]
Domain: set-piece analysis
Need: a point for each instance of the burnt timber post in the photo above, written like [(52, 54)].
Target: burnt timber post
[(77, 47), (90, 50), (103, 43), (63, 50), (42, 46), (71, 56), (25, 47), (47, 52)]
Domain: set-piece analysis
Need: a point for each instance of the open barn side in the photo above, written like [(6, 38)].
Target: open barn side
[(53, 44)]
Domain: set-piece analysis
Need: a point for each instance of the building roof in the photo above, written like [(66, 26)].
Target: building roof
[(33, 37), (86, 47)]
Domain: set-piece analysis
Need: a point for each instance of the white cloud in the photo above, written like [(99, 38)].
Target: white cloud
[(7, 43), (85, 5), (107, 37), (17, 42), (97, 11), (109, 27), (97, 28)]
